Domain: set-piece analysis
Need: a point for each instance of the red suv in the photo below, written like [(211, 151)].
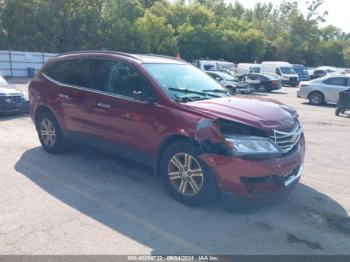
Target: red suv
[(169, 115)]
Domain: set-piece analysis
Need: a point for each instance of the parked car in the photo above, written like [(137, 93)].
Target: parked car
[(323, 90), (285, 70), (261, 82), (207, 65), (13, 100), (302, 72), (245, 68), (170, 115), (230, 82), (3, 81), (323, 71)]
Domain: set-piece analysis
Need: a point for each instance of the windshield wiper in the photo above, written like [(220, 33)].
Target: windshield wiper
[(190, 91), (215, 91)]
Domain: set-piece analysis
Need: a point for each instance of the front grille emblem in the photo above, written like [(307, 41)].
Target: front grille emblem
[(287, 140)]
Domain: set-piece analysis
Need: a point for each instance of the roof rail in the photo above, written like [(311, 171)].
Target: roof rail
[(165, 56), (100, 51)]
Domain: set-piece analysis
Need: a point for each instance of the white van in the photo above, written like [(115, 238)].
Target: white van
[(284, 69), (246, 68), (209, 65)]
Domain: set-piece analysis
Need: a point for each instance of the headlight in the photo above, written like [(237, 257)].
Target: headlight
[(252, 146)]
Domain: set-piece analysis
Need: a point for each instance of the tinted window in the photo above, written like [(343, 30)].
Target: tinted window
[(89, 73), (253, 77), (208, 67), (319, 72), (337, 81), (242, 77), (264, 77), (123, 80)]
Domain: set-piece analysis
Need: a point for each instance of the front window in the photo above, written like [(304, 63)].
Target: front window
[(287, 70), (337, 81), (256, 69), (180, 81), (227, 77), (300, 70), (123, 79)]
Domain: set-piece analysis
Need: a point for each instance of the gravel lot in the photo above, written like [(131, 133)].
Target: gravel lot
[(91, 202)]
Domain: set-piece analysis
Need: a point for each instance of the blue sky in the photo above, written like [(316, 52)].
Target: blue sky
[(339, 10)]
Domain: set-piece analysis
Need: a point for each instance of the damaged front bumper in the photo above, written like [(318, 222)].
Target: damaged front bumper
[(252, 179)]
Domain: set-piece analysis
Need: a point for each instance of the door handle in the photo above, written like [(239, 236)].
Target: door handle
[(103, 105), (63, 96)]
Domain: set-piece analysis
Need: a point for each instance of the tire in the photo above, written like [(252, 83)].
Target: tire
[(337, 111), (261, 89), (50, 133), (232, 90), (316, 98), (193, 189)]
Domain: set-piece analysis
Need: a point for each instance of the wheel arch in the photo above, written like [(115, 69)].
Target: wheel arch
[(166, 143), (316, 91), (41, 109)]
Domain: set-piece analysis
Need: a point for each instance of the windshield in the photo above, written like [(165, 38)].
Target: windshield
[(227, 77), (174, 79), (256, 69), (287, 70), (300, 70)]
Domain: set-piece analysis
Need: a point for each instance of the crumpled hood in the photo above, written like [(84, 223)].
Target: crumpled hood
[(265, 114), (9, 91)]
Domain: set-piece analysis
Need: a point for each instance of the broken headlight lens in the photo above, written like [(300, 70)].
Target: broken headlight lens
[(251, 145)]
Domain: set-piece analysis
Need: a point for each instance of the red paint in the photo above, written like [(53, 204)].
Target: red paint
[(143, 127)]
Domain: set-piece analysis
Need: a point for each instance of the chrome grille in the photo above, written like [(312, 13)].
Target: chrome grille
[(287, 140), (12, 99)]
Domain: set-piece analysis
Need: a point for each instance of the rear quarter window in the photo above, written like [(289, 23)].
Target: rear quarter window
[(337, 81), (88, 73)]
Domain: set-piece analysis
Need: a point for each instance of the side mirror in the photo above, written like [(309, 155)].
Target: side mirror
[(139, 96), (217, 79)]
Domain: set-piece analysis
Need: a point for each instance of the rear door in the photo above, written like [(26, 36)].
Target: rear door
[(332, 86), (80, 79)]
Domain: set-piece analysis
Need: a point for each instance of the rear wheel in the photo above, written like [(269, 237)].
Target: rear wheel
[(337, 111), (232, 90), (50, 133), (261, 88), (185, 176), (316, 98)]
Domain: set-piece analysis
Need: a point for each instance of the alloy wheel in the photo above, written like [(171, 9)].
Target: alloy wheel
[(261, 88), (47, 132), (185, 174), (316, 99)]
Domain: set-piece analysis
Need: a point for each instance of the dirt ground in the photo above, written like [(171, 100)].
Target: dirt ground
[(91, 202)]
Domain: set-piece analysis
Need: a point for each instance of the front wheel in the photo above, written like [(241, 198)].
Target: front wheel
[(185, 176)]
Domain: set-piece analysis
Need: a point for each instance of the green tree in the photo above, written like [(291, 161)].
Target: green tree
[(155, 35)]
